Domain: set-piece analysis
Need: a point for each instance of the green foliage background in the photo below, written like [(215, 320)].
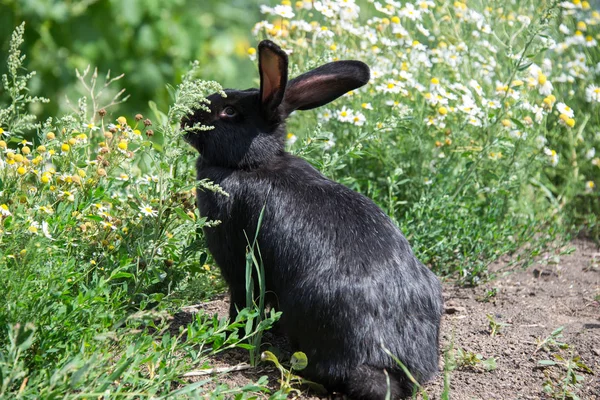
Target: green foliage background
[(151, 41)]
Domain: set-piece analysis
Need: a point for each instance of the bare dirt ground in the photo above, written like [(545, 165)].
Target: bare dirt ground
[(557, 291)]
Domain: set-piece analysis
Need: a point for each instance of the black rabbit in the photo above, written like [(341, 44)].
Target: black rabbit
[(342, 273)]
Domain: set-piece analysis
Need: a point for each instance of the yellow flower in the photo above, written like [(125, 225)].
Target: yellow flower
[(549, 100), (251, 51), (72, 141), (45, 178), (435, 81), (333, 47), (122, 145), (442, 110), (25, 150), (65, 147), (395, 20), (542, 79), (50, 136), (41, 149), (122, 121), (81, 173), (19, 158), (2, 144), (570, 122)]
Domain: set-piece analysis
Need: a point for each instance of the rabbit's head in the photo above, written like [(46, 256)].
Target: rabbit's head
[(249, 125)]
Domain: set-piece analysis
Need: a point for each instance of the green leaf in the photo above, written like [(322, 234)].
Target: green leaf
[(183, 215), (268, 356), (489, 364), (120, 274), (24, 336), (523, 67), (299, 361), (185, 390), (116, 374)]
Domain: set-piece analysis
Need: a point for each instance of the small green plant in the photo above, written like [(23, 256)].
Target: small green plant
[(16, 117), (288, 380), (551, 342), (255, 295), (463, 359), (566, 384), (594, 264), (448, 357), (488, 296), (495, 326)]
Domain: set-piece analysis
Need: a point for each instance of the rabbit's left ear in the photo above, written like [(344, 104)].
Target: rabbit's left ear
[(324, 84), (273, 68)]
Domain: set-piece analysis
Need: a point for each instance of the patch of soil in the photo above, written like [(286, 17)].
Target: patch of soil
[(559, 290)]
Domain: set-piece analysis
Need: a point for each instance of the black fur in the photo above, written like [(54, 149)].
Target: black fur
[(342, 273)]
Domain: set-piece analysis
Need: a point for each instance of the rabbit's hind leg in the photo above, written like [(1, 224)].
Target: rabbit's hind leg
[(371, 383)]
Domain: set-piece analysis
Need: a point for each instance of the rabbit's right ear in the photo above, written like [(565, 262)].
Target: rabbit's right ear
[(324, 84), (273, 68)]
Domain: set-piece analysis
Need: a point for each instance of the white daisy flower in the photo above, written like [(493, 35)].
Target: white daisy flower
[(592, 94), (565, 109), (4, 210), (148, 211)]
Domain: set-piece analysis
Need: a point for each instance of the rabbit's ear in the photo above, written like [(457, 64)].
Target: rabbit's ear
[(273, 68), (324, 84)]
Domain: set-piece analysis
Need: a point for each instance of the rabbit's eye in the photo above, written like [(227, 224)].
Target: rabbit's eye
[(228, 112)]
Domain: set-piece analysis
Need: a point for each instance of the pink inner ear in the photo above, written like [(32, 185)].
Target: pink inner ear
[(271, 74), (309, 90), (317, 82)]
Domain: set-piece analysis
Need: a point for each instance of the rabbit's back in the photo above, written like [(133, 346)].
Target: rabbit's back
[(344, 275)]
